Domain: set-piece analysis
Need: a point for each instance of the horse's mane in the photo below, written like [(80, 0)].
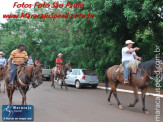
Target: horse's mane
[(147, 67)]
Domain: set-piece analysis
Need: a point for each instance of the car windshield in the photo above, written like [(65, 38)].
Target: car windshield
[(88, 72)]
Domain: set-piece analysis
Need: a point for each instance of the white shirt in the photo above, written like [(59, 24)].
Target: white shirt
[(127, 56), (30, 61), (2, 61)]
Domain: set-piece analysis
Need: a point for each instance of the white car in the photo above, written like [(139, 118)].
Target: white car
[(82, 77)]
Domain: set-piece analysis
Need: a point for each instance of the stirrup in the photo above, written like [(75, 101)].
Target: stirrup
[(10, 86), (126, 82)]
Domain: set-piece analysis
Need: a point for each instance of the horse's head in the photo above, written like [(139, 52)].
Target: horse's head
[(37, 74), (68, 66)]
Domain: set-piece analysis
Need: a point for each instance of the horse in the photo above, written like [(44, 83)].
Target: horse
[(139, 80), (26, 76), (62, 75), (2, 74)]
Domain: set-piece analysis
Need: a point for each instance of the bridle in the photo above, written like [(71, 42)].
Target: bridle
[(34, 76), (34, 79), (148, 74)]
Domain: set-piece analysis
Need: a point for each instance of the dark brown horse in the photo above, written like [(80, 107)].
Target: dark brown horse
[(26, 76), (140, 80), (2, 74), (62, 75)]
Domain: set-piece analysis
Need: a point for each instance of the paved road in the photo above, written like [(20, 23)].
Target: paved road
[(81, 105)]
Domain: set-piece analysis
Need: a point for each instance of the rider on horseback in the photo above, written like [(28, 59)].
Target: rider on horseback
[(2, 59), (19, 57), (128, 54), (59, 62)]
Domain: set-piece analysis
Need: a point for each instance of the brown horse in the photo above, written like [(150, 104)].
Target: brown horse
[(26, 76), (2, 74), (140, 80), (62, 75)]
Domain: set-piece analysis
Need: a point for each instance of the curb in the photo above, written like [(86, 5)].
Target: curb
[(129, 91)]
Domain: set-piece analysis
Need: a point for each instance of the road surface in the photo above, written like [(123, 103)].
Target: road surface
[(81, 105)]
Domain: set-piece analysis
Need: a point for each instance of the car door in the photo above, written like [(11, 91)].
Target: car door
[(73, 76), (67, 80)]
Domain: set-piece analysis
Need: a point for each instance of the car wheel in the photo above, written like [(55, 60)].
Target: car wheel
[(94, 86), (48, 78), (77, 84)]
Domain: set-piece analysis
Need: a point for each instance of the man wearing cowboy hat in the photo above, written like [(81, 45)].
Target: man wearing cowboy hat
[(59, 62), (128, 54), (2, 59)]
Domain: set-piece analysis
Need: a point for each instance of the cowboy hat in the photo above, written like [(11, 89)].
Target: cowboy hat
[(1, 53), (60, 54), (129, 42)]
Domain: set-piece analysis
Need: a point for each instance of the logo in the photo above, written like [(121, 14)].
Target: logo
[(17, 112)]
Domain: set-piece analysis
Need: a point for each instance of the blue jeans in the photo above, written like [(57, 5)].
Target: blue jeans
[(126, 71), (13, 72), (55, 72)]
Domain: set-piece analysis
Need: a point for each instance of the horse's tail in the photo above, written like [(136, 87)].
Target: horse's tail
[(106, 81)]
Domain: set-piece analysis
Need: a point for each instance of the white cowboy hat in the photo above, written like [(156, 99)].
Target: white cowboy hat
[(129, 42), (60, 54), (1, 53)]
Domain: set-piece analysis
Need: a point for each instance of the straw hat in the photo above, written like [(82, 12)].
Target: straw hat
[(1, 53), (129, 42), (60, 54)]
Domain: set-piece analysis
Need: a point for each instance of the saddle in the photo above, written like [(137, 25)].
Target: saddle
[(58, 70), (132, 66), (19, 69)]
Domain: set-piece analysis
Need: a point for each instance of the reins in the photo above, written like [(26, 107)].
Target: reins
[(147, 73), (33, 77)]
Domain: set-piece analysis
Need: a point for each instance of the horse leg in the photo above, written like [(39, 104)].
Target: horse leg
[(52, 79), (12, 94), (10, 97), (8, 91), (23, 96), (65, 84), (0, 86), (9, 94), (143, 91), (4, 85), (114, 85), (61, 84), (136, 97), (110, 97), (11, 91)]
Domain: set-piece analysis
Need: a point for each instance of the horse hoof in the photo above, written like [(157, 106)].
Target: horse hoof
[(146, 112), (120, 107), (130, 105), (109, 103)]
